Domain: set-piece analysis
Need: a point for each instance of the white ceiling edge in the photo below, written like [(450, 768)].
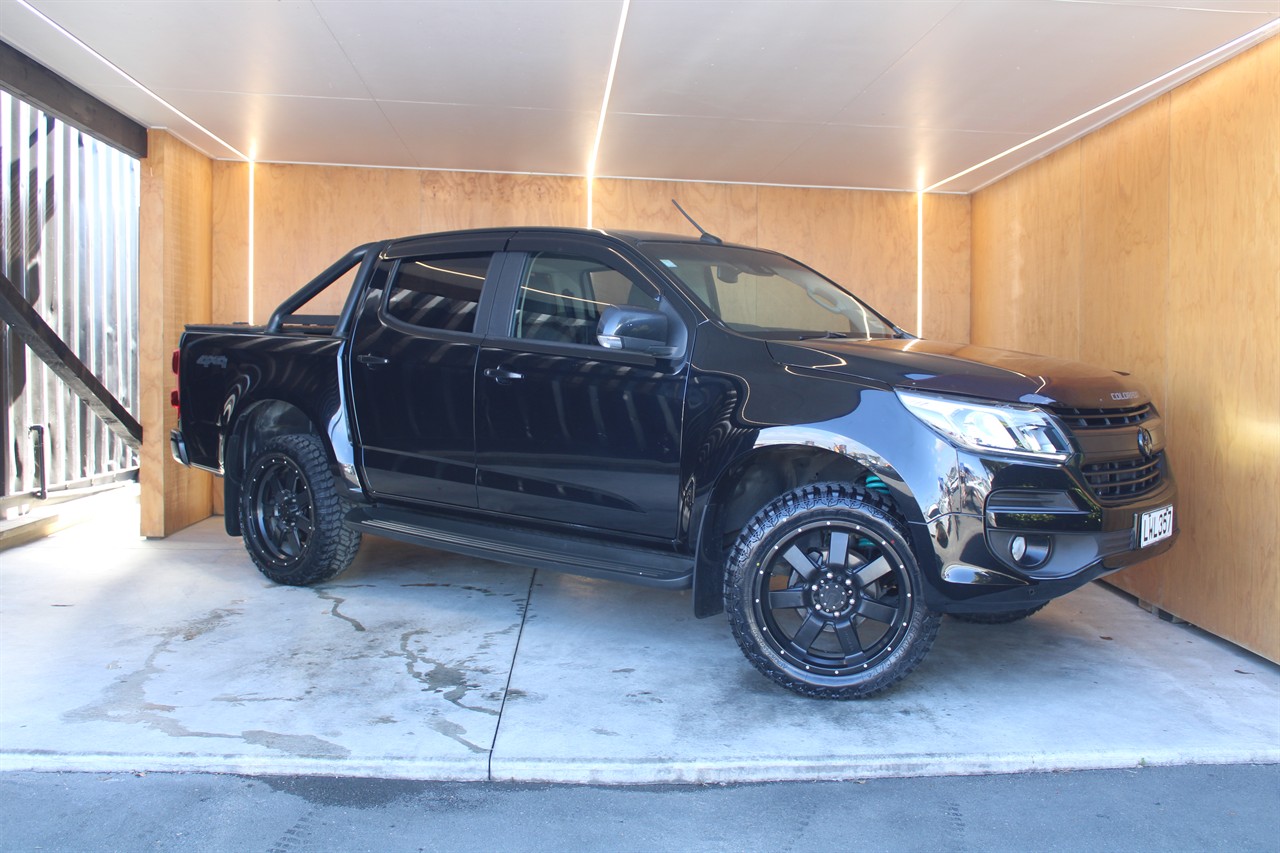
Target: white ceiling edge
[(1055, 139), (575, 175), (775, 185), (44, 40)]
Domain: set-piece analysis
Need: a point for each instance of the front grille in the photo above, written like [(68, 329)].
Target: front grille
[(1103, 418), (1125, 479)]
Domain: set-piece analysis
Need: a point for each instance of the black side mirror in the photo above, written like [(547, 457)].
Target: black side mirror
[(626, 327)]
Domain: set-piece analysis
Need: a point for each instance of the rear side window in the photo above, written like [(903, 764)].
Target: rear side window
[(438, 293)]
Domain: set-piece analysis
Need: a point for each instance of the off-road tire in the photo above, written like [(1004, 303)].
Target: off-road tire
[(291, 515), (824, 595), (997, 618)]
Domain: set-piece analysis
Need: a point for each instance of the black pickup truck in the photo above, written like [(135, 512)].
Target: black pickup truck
[(679, 413)]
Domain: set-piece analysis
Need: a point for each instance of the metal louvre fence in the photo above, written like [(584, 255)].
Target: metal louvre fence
[(70, 238)]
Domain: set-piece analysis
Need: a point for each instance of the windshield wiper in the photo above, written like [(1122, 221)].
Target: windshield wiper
[(824, 335)]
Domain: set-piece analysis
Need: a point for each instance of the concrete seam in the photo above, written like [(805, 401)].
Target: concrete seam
[(506, 690)]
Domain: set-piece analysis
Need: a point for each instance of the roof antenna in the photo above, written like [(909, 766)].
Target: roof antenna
[(707, 236)]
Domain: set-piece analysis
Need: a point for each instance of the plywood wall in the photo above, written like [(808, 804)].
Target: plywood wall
[(1153, 245), (865, 240), (946, 272), (306, 217), (174, 288)]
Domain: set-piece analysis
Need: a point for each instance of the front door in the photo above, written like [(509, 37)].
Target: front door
[(567, 431)]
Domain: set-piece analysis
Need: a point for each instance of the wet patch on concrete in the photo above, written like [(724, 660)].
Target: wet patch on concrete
[(405, 665), (308, 746), (323, 593)]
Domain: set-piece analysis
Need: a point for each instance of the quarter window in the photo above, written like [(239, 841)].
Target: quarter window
[(438, 293)]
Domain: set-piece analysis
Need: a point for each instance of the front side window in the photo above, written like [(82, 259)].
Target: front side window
[(767, 295), (562, 296), (438, 293)]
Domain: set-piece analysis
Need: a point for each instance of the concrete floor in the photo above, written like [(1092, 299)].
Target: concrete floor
[(120, 654)]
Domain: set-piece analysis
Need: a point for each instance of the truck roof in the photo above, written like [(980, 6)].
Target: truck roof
[(622, 235)]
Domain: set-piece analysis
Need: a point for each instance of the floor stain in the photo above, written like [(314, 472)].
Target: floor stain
[(466, 587), (307, 746), (455, 732), (125, 701), (450, 680), (240, 700), (323, 592)]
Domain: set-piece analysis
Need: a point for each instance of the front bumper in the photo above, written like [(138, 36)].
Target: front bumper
[(1082, 540)]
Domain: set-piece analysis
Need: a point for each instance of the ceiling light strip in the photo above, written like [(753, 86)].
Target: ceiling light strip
[(920, 264), (1205, 61), (604, 108), (126, 75), (250, 240)]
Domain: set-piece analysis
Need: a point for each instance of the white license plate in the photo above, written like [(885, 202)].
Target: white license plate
[(1155, 526)]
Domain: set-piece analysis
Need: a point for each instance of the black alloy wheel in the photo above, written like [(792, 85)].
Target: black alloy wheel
[(833, 598), (824, 594), (291, 514), (284, 517)]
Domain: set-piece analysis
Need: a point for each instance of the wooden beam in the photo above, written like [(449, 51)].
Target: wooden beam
[(43, 88), (45, 343)]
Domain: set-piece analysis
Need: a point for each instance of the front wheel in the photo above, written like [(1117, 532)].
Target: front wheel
[(291, 515), (823, 594)]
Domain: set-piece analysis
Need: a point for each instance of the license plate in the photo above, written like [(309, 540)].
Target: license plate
[(1155, 526)]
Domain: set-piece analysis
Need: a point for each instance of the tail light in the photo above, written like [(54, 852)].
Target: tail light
[(173, 395)]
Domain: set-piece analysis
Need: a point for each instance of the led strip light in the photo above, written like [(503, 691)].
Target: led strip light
[(604, 109)]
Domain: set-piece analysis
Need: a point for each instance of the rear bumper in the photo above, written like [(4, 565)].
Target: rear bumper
[(178, 447)]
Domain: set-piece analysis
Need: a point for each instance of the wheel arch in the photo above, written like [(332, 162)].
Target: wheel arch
[(257, 425), (776, 465)]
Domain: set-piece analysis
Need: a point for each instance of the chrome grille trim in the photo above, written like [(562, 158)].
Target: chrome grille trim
[(1103, 418), (1124, 479)]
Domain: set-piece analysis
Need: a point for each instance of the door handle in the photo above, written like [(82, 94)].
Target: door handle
[(372, 360), (501, 375)]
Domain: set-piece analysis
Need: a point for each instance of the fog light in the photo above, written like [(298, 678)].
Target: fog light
[(1029, 550)]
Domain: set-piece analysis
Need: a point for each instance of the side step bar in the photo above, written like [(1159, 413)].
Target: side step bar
[(526, 547)]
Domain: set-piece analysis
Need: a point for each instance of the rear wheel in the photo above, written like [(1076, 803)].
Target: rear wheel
[(823, 594), (291, 515)]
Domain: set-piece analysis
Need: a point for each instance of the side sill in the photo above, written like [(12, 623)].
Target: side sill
[(520, 546)]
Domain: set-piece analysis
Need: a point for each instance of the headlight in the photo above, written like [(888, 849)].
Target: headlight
[(1004, 428)]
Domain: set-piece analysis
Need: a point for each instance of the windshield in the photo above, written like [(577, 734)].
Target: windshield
[(766, 295)]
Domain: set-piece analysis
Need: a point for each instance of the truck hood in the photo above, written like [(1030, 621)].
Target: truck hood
[(972, 371)]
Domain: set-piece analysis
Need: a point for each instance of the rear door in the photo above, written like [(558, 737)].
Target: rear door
[(413, 364), (567, 431)]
